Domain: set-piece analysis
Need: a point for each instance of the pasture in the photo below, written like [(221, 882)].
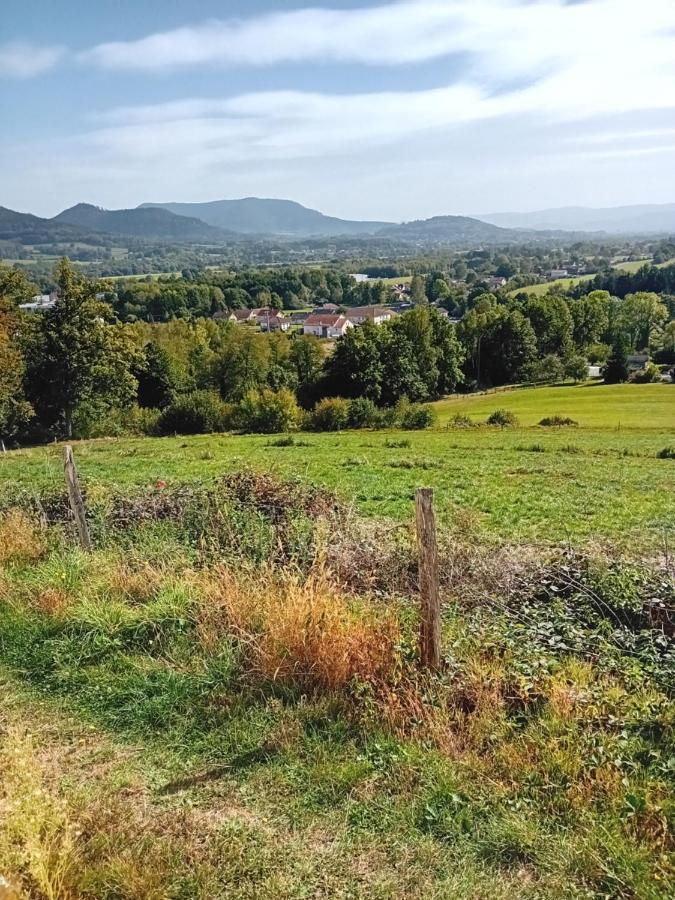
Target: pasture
[(601, 481), (224, 698)]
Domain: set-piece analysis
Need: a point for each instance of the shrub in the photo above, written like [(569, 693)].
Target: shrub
[(504, 418), (417, 417), (576, 368), (199, 412), (397, 445), (666, 453), (330, 414), (269, 412), (386, 417), (557, 421), (548, 369), (649, 375), (362, 413), (459, 420)]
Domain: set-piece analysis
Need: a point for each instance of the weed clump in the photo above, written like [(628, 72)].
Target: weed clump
[(305, 633), (558, 422), (666, 453), (20, 538)]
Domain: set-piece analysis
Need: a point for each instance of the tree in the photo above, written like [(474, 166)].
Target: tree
[(551, 320), (157, 377), (356, 367), (417, 290), (74, 357), (641, 317), (576, 367), (616, 370), (591, 317), (549, 368), (15, 410)]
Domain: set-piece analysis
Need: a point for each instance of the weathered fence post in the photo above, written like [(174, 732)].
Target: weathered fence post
[(430, 626), (75, 498)]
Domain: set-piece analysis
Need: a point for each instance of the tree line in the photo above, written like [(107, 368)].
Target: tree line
[(77, 369)]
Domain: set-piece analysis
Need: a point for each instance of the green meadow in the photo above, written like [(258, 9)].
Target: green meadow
[(224, 699), (600, 481)]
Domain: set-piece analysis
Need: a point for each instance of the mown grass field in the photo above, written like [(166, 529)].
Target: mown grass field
[(599, 482)]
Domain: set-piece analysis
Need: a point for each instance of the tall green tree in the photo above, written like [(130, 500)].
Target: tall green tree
[(616, 370), (75, 356)]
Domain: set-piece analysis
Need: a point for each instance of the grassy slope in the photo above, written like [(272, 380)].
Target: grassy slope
[(530, 484), (648, 407), (141, 759)]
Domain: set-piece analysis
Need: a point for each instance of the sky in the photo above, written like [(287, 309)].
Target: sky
[(368, 109)]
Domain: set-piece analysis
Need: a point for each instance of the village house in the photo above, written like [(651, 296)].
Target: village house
[(375, 314), (495, 282), (325, 325), (39, 303), (299, 318), (558, 273), (278, 322)]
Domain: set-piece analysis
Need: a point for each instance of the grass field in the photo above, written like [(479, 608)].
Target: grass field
[(596, 482), (539, 290), (223, 699)]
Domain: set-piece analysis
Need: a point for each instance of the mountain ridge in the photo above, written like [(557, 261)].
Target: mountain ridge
[(147, 223), (267, 215), (642, 218)]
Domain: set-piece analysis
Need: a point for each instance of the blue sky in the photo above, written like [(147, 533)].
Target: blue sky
[(393, 110)]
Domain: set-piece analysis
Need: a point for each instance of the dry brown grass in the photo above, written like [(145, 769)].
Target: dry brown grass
[(307, 632), (20, 538), (38, 841)]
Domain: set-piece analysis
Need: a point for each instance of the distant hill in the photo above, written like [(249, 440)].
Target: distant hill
[(28, 229), (641, 219), (253, 215), (450, 230), (144, 223)]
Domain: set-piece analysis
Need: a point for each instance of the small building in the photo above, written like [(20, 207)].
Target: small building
[(241, 316), (375, 314), (327, 326), (330, 308), (558, 273), (275, 323), (359, 277), (40, 303), (496, 282), (299, 318), (224, 315)]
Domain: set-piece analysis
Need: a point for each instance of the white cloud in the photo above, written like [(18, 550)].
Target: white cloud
[(24, 60), (549, 90), (508, 38)]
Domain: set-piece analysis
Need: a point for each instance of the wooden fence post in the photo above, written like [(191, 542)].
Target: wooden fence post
[(430, 625), (75, 498)]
